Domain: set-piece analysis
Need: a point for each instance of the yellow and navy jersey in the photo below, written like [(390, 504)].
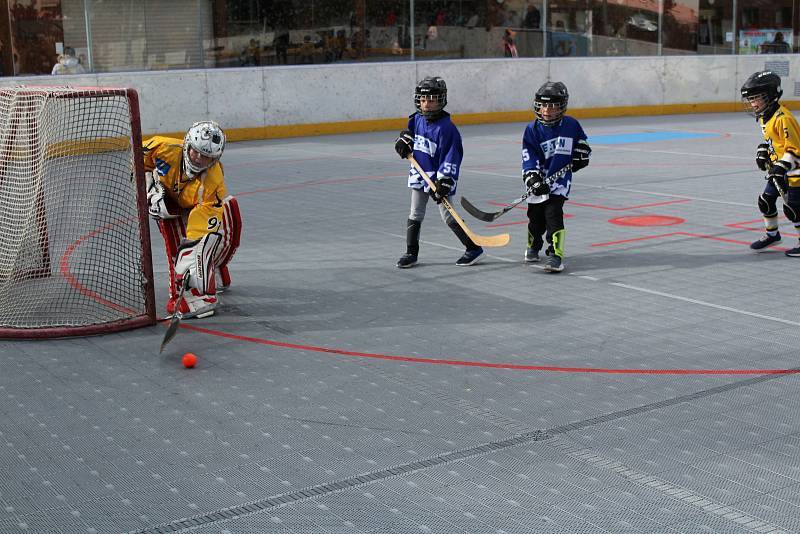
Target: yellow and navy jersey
[(782, 134), (203, 195)]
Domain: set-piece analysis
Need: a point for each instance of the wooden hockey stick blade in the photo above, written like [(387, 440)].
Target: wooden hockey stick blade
[(499, 240), (480, 240), (175, 321)]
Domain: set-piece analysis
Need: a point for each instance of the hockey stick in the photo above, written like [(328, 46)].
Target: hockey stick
[(175, 322), (488, 217), (787, 209), (480, 240)]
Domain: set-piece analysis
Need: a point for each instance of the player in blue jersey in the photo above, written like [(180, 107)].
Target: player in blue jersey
[(435, 142), (550, 143)]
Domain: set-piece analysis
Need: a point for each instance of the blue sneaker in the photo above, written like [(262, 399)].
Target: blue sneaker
[(470, 257), (765, 241)]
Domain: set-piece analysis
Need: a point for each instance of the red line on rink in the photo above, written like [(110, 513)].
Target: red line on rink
[(686, 234), (462, 363)]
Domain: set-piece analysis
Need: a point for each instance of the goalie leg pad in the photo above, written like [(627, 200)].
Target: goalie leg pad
[(231, 237), (196, 260), (173, 231), (194, 304)]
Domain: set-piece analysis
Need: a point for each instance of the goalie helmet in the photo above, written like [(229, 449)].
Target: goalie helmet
[(207, 139), (764, 90), (432, 87), (551, 94)]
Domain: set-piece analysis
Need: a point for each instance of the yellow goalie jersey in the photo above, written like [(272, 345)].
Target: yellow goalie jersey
[(782, 134), (203, 195)]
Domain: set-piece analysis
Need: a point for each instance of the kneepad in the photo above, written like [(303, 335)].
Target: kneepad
[(792, 212), (766, 205), (195, 259)]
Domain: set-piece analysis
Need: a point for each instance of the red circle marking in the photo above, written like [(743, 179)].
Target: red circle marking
[(646, 220)]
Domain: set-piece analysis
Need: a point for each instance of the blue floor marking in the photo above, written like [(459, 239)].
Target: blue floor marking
[(645, 137)]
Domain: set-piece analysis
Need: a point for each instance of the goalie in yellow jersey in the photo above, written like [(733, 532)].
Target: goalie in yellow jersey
[(199, 221), (778, 156)]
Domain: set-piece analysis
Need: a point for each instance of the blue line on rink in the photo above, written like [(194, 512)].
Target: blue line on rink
[(646, 137)]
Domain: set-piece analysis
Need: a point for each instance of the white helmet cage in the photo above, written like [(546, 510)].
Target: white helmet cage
[(206, 138)]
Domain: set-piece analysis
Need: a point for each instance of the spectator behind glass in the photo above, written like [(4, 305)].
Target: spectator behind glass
[(251, 55), (777, 46), (532, 18), (68, 63), (509, 48)]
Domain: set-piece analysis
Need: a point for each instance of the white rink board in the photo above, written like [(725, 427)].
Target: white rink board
[(310, 94)]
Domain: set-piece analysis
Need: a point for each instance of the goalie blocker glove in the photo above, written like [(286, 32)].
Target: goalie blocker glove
[(444, 186), (404, 144), (580, 154), (156, 205), (777, 173), (762, 157)]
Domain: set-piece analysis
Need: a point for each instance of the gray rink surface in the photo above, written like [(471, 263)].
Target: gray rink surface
[(335, 393)]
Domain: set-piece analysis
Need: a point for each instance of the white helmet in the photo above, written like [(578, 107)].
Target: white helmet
[(207, 138)]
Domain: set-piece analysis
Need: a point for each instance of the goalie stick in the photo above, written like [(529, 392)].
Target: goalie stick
[(489, 217), (480, 240), (175, 321)]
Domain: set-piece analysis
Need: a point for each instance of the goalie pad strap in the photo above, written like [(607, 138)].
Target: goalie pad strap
[(196, 260)]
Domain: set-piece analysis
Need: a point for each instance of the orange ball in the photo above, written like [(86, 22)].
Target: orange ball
[(189, 360)]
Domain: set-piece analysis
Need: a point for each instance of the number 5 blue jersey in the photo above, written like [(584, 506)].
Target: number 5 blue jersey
[(549, 149), (437, 149)]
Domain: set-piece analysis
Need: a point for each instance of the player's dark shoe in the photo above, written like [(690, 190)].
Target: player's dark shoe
[(793, 252), (406, 261), (765, 241), (531, 255), (470, 257), (553, 264)]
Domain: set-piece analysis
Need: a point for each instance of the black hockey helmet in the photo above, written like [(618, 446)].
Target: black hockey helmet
[(763, 87), (551, 93), (431, 87)]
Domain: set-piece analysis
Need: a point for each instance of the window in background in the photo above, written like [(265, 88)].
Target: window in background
[(715, 27), (765, 27)]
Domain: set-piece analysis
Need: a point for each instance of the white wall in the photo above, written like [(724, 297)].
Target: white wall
[(280, 96)]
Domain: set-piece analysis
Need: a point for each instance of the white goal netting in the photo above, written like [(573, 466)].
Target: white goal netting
[(74, 241)]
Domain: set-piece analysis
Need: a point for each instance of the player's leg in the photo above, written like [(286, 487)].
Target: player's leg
[(472, 253), (536, 230), (232, 225), (419, 200), (767, 205), (195, 259), (554, 220), (793, 197), (174, 232)]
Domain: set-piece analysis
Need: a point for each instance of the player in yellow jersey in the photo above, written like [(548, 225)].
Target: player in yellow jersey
[(199, 221), (778, 155)]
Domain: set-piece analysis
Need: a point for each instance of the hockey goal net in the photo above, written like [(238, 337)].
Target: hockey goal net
[(74, 235)]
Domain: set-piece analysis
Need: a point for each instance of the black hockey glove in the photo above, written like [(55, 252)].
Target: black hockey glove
[(580, 154), (535, 182), (531, 177), (778, 174), (404, 144), (762, 157), (443, 187)]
